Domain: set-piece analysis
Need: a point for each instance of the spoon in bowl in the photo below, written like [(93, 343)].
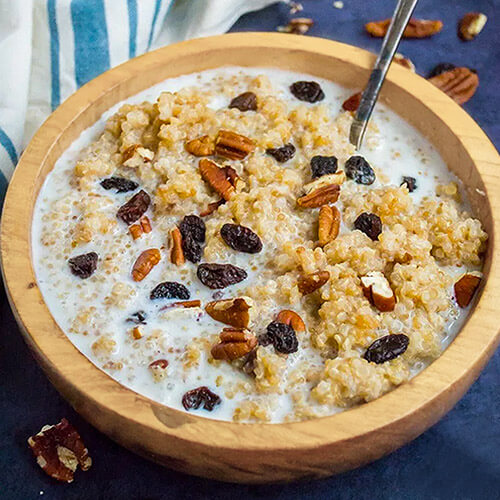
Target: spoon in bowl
[(400, 18)]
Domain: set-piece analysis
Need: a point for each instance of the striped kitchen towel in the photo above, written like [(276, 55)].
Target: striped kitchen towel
[(50, 48)]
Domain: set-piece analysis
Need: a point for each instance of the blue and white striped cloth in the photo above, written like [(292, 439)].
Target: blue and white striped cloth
[(50, 48)]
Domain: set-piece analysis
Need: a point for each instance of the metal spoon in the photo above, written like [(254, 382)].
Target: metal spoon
[(400, 18)]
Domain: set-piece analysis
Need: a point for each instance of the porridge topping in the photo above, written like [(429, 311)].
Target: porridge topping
[(441, 68), (471, 25), (352, 103), (416, 28), (219, 246), (459, 83)]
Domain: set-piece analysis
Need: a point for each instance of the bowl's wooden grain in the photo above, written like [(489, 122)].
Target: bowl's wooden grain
[(256, 452)]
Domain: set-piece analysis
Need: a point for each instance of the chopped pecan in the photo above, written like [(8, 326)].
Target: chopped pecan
[(466, 287), (293, 319), (233, 146), (176, 252), (459, 83), (202, 146), (352, 103), (328, 224), (144, 226), (158, 369), (416, 28), (297, 26), (212, 207), (404, 61), (232, 312), (217, 177), (311, 282), (144, 263), (377, 289), (137, 333), (321, 196), (59, 450), (234, 343), (471, 25), (187, 304)]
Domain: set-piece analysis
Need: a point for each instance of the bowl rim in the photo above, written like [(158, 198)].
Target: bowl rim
[(452, 372)]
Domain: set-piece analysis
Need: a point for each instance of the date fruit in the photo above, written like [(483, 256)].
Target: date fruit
[(387, 348), (241, 238), (307, 91), (135, 208), (83, 265), (201, 396), (170, 290), (218, 276), (245, 102)]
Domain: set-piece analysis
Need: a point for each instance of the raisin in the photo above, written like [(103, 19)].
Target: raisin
[(83, 265), (358, 169), (192, 229), (282, 154), (220, 275), (307, 91), (386, 348), (244, 102), (441, 68), (135, 208), (241, 238), (370, 224), (195, 398), (282, 336), (139, 318), (323, 165), (411, 183), (170, 290), (121, 184)]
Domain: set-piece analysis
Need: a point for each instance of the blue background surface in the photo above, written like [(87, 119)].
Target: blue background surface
[(456, 459)]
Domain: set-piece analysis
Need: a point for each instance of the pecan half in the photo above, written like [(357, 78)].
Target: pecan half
[(176, 252), (459, 83), (377, 289), (416, 28), (217, 178), (471, 25), (466, 287), (232, 312), (352, 103), (59, 450), (328, 224), (144, 263), (293, 319), (320, 196), (234, 343), (233, 146), (311, 282), (201, 146)]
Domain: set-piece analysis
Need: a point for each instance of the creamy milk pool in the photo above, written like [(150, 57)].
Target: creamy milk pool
[(97, 310)]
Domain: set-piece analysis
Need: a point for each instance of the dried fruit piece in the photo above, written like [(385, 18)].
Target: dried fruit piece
[(297, 26), (217, 178), (83, 265), (241, 238), (232, 312), (323, 165), (307, 91), (134, 208), (195, 398), (377, 289), (441, 68), (328, 224), (234, 343), (212, 207), (59, 450), (121, 184), (370, 224), (359, 170), (137, 333), (282, 336), (245, 102), (320, 196), (471, 25), (201, 146), (170, 290), (193, 230), (403, 61), (459, 83), (416, 28), (352, 103), (218, 276), (387, 348), (411, 183), (291, 318), (312, 282), (139, 318), (233, 146), (466, 287), (282, 154), (176, 252), (144, 263)]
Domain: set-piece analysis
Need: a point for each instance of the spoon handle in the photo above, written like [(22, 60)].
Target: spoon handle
[(400, 18)]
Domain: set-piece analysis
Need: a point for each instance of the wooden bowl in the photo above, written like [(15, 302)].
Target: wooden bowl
[(256, 453)]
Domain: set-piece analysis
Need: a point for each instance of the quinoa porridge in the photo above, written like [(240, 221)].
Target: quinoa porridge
[(217, 244)]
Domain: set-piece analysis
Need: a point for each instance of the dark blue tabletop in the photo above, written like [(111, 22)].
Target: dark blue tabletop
[(457, 458)]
